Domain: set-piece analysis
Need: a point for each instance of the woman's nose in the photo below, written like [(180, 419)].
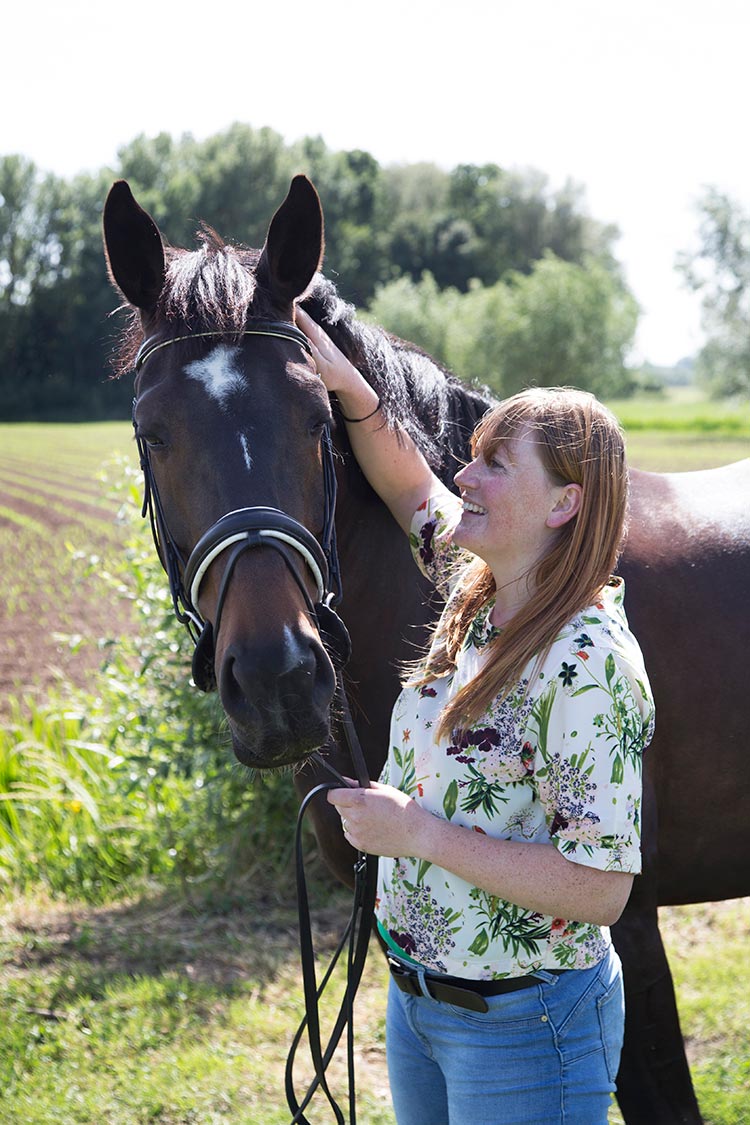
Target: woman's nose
[(464, 477)]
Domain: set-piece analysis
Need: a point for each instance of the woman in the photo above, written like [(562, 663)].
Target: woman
[(508, 812)]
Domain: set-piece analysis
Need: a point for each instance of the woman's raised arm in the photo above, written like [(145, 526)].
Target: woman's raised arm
[(388, 457)]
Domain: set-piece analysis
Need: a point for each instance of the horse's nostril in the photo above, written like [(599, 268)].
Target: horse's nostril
[(277, 701), (273, 682)]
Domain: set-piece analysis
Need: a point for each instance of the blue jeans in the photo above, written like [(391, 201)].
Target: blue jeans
[(545, 1055)]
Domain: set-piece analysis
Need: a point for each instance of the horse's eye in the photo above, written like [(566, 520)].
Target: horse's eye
[(316, 427), (153, 441)]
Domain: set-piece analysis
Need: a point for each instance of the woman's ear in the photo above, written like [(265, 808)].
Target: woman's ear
[(566, 506)]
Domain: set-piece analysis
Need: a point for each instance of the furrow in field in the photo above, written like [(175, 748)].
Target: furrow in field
[(63, 490), (22, 519), (15, 468), (74, 511)]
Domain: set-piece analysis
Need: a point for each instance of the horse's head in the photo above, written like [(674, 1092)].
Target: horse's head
[(231, 417)]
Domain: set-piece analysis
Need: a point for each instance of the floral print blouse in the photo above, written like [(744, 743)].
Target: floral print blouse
[(557, 762)]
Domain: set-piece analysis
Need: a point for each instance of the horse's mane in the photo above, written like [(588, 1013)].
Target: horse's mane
[(214, 288)]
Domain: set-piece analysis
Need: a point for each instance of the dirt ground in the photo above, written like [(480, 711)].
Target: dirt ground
[(54, 617)]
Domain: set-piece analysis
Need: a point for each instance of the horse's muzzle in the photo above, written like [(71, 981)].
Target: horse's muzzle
[(277, 701)]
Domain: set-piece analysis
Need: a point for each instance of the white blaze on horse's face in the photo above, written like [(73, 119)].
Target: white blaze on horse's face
[(219, 373), (246, 452)]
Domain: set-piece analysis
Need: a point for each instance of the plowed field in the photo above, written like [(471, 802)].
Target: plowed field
[(55, 513)]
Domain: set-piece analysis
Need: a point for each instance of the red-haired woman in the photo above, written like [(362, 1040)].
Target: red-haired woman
[(508, 812)]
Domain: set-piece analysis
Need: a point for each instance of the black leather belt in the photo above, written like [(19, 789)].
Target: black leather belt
[(454, 990)]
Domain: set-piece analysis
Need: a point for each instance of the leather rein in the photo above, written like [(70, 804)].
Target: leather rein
[(236, 532)]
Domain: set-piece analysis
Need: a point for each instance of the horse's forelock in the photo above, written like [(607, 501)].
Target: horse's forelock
[(212, 288)]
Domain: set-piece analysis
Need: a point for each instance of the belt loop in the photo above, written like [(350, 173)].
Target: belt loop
[(545, 976), (423, 986)]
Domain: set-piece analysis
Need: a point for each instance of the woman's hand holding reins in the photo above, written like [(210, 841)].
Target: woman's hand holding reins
[(536, 876), (380, 820)]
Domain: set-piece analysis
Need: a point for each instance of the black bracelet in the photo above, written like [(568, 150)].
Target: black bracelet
[(370, 415)]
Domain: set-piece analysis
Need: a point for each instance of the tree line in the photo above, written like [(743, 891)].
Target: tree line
[(501, 277)]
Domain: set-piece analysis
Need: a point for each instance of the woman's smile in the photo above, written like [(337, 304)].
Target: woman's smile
[(472, 508)]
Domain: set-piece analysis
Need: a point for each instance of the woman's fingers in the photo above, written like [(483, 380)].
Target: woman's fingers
[(333, 367)]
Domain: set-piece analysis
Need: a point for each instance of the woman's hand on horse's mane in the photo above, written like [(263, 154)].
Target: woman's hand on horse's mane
[(386, 454), (339, 375)]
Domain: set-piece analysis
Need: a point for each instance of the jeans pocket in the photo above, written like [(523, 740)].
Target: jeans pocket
[(611, 1011)]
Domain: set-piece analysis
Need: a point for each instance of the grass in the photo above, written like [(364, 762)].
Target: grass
[(68, 445), (52, 505), (681, 430), (146, 1012), (151, 1012)]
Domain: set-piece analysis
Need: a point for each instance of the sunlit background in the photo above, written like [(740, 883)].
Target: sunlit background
[(641, 103)]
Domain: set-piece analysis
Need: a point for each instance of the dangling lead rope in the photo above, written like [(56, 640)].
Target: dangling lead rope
[(357, 934)]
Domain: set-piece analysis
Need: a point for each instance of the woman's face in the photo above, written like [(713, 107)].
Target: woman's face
[(512, 507)]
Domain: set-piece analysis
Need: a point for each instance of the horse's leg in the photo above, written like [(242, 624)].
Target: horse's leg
[(653, 1084)]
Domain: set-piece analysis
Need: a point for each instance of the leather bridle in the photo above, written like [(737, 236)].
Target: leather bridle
[(237, 532)]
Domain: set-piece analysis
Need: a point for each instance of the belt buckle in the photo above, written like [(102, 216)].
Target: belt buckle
[(406, 978)]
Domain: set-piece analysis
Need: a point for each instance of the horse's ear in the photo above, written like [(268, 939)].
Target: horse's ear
[(133, 248), (294, 244)]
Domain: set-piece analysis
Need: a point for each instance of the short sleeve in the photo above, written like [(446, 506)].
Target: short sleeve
[(588, 729), (431, 539)]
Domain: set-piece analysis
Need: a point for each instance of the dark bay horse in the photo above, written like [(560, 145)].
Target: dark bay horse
[(230, 413)]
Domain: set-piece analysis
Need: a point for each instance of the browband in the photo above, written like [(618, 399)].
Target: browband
[(281, 329)]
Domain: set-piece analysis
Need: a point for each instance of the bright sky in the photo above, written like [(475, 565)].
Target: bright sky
[(641, 101)]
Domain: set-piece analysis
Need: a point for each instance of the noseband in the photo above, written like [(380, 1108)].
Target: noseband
[(243, 529)]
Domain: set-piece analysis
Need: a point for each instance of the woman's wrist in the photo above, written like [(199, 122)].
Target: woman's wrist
[(358, 407)]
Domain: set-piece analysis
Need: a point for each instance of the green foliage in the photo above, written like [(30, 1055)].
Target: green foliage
[(136, 780), (476, 222), (54, 296), (720, 270), (559, 324), (512, 219), (419, 312)]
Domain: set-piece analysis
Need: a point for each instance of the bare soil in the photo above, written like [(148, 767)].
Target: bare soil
[(53, 618)]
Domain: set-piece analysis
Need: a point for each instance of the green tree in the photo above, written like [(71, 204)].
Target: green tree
[(352, 190), (567, 324), (720, 271), (418, 311), (460, 231), (560, 324), (54, 296), (515, 218), (481, 222)]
